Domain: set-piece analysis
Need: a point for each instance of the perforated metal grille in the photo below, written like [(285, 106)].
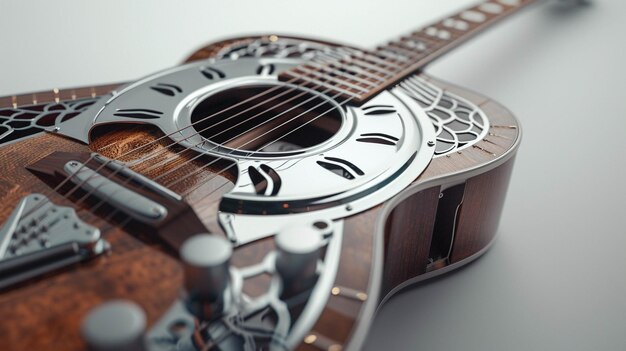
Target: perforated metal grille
[(23, 121), (283, 47), (458, 122)]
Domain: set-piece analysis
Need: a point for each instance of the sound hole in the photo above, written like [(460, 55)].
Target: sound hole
[(272, 120)]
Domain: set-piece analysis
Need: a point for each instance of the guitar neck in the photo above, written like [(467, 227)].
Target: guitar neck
[(365, 73), (360, 75)]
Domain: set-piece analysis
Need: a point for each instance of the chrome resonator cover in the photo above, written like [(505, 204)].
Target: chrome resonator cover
[(378, 149)]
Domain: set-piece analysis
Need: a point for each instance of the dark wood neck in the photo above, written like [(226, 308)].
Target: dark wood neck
[(361, 74)]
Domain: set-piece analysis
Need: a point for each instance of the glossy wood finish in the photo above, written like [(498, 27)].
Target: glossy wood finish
[(408, 238), (45, 313)]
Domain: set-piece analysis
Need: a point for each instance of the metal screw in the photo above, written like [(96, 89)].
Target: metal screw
[(348, 208), (431, 143)]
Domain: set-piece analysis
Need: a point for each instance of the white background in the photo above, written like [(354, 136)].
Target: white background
[(555, 278)]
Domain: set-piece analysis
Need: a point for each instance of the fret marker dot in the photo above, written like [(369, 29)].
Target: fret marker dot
[(509, 2), (473, 16), (461, 25), (491, 8), (456, 24)]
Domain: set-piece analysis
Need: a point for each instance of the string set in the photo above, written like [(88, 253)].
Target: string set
[(335, 66)]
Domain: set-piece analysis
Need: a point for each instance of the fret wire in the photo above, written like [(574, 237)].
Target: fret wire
[(453, 30), (332, 65), (329, 65), (387, 56), (319, 83), (413, 54), (420, 35), (350, 65), (334, 59), (371, 66), (338, 72), (308, 72), (374, 59)]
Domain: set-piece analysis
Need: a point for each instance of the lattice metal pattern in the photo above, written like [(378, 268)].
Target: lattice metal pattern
[(23, 121), (283, 47), (458, 122)]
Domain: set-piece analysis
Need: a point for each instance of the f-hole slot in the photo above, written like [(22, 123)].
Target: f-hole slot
[(450, 201)]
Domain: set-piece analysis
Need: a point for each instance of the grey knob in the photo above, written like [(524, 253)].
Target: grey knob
[(116, 325), (298, 250), (206, 260)]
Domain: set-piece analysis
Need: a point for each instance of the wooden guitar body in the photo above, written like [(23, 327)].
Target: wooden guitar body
[(445, 218)]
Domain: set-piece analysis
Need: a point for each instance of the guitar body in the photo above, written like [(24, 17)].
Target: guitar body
[(442, 219)]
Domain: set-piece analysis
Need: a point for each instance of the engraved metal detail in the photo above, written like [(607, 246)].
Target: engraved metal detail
[(458, 122), (277, 48), (22, 121)]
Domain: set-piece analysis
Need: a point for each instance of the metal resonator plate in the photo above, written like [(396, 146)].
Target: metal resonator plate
[(379, 149)]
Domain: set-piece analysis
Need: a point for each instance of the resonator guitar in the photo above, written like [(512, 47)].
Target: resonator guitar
[(267, 194)]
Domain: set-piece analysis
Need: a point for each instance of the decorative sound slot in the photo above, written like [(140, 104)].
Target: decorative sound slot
[(378, 138), (266, 70), (259, 181), (337, 169), (337, 166), (266, 180), (140, 113), (276, 181), (378, 110), (210, 72), (167, 89)]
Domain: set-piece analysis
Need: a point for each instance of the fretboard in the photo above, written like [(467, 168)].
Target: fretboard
[(361, 74)]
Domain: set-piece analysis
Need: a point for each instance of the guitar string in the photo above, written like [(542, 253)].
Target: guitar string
[(189, 191), (216, 174), (150, 143), (202, 141), (347, 65), (250, 153), (360, 54), (102, 202), (252, 117), (213, 176), (130, 178)]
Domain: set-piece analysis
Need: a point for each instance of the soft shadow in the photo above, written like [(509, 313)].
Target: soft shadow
[(564, 8)]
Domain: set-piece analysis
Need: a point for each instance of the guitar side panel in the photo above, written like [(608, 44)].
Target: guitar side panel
[(482, 172)]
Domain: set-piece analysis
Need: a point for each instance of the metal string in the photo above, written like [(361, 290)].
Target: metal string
[(332, 70), (221, 157)]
